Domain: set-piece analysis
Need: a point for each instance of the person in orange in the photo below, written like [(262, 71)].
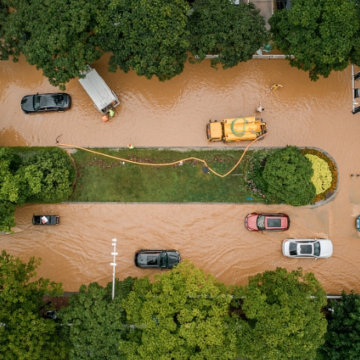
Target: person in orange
[(105, 117)]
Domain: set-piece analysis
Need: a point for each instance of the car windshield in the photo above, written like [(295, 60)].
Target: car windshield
[(317, 249), (163, 259), (260, 222), (36, 102), (293, 249)]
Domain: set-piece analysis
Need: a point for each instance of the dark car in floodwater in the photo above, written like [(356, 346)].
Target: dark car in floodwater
[(46, 219), (39, 103), (152, 259)]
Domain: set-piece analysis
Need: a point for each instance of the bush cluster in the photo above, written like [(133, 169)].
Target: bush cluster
[(282, 175)]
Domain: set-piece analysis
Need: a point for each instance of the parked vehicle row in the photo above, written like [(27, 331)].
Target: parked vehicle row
[(167, 259), (104, 99), (299, 248)]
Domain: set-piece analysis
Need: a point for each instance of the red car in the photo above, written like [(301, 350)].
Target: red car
[(259, 222)]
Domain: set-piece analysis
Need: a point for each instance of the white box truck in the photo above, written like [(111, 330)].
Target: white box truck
[(104, 99)]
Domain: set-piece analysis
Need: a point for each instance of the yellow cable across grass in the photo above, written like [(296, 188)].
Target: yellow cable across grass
[(165, 164)]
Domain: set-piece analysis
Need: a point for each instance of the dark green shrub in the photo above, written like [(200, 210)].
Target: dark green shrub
[(287, 174), (342, 340), (51, 174)]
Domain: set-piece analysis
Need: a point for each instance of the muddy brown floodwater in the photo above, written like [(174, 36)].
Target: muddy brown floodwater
[(174, 114)]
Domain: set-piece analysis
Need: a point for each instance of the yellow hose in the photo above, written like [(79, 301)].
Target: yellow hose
[(166, 164)]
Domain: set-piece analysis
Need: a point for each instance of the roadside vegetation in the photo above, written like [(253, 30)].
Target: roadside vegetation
[(24, 332), (322, 35), (155, 38), (152, 38), (38, 175), (183, 313)]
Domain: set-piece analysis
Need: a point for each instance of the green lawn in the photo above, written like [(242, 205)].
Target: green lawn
[(103, 179)]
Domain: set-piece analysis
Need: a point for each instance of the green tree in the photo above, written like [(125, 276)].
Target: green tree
[(13, 188), (323, 35), (7, 216), (182, 315), (97, 321), (287, 174), (24, 334), (283, 316), (342, 340), (12, 185), (149, 37), (54, 35), (234, 32), (50, 173)]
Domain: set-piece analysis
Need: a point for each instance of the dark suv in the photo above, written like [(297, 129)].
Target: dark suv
[(152, 259), (38, 103)]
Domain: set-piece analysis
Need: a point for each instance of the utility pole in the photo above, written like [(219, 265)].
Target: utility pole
[(113, 264)]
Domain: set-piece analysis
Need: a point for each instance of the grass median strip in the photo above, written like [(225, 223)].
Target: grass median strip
[(107, 180)]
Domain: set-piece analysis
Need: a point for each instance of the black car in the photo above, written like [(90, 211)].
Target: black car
[(161, 259), (46, 220), (45, 103)]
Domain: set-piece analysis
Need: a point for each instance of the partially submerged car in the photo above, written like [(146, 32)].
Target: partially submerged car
[(259, 222), (46, 220), (357, 223), (307, 248), (152, 259), (39, 103)]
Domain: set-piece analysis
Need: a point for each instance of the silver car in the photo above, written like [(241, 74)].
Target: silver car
[(307, 248)]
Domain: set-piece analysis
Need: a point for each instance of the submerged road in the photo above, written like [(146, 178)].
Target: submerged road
[(174, 114)]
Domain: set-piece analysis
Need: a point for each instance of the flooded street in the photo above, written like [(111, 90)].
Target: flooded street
[(174, 114)]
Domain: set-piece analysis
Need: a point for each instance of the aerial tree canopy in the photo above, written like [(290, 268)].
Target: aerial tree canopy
[(9, 34), (287, 174), (97, 321), (13, 187), (54, 35), (182, 315), (50, 173), (234, 32), (342, 340), (149, 37), (283, 316), (24, 333), (322, 35)]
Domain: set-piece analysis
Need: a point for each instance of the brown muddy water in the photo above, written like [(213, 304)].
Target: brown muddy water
[(174, 114)]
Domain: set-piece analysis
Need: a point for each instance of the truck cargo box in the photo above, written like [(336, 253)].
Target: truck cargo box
[(103, 98)]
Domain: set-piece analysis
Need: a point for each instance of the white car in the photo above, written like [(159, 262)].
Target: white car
[(307, 248)]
